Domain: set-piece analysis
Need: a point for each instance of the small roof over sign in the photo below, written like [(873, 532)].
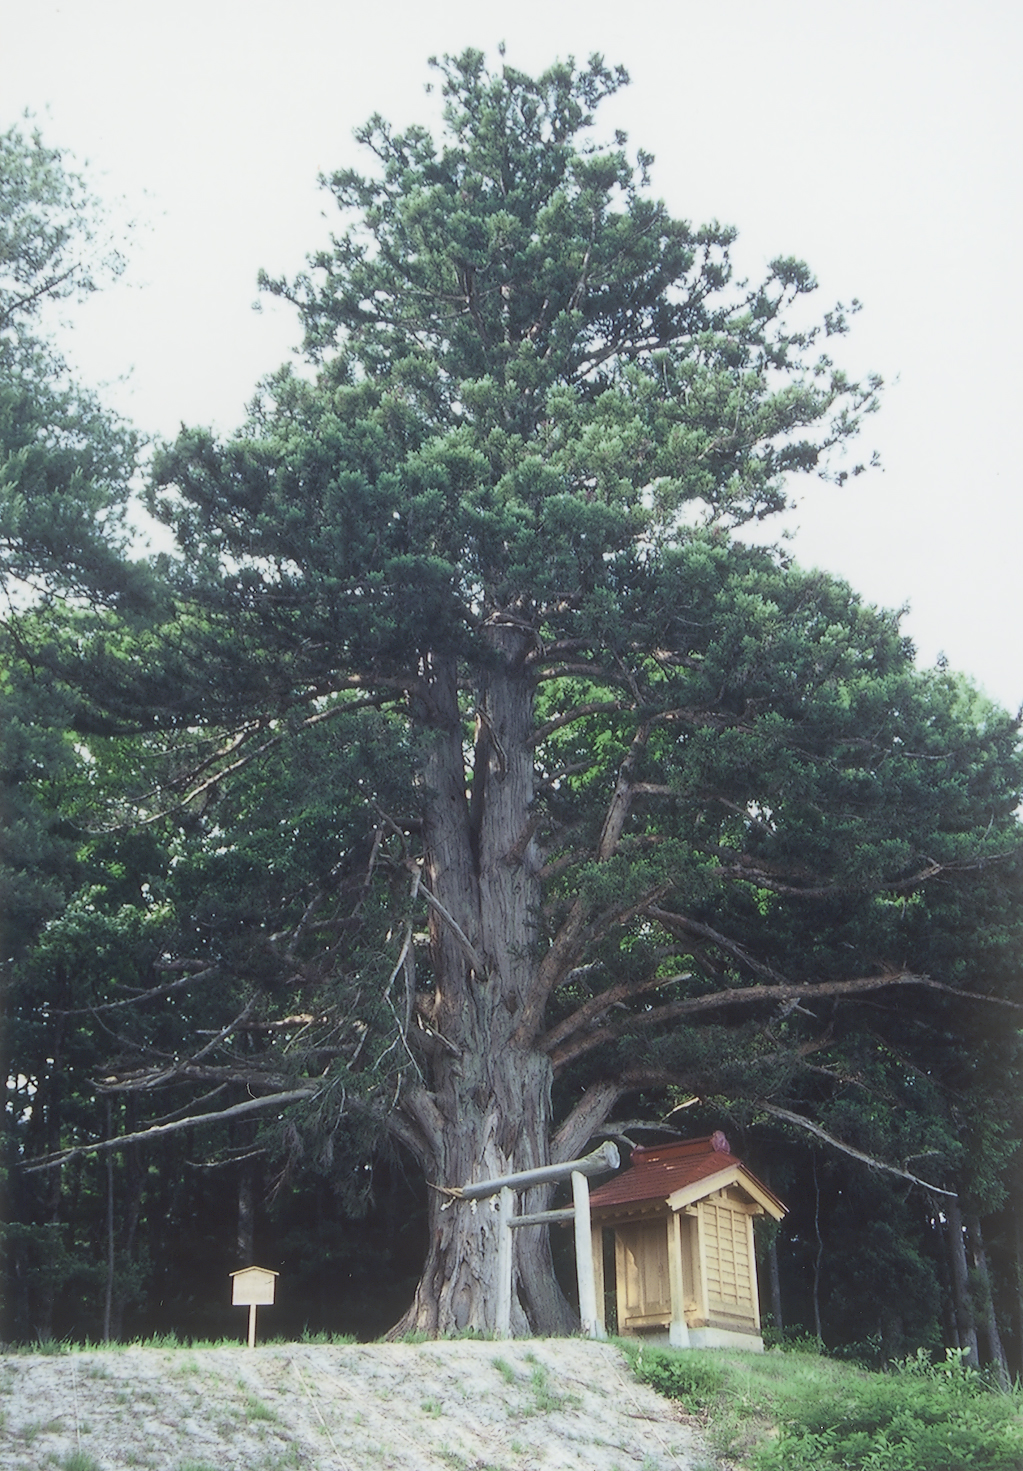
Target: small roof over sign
[(679, 1174)]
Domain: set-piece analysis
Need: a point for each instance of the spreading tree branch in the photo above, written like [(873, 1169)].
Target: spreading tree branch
[(165, 990), (569, 717), (590, 1011), (194, 1121), (779, 881), (564, 948), (682, 925), (200, 789), (868, 1159), (755, 996), (592, 1110), (471, 953)]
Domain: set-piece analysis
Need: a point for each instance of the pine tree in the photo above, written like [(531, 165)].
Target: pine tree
[(601, 803)]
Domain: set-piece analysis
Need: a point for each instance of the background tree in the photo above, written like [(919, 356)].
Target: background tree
[(66, 466), (65, 479), (510, 786)]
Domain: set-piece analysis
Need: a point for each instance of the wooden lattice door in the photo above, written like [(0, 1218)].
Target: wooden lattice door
[(726, 1257)]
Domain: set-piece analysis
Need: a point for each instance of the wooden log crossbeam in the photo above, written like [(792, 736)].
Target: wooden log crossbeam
[(540, 1218), (578, 1170), (598, 1163)]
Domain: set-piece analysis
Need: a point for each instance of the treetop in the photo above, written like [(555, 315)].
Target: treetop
[(514, 267)]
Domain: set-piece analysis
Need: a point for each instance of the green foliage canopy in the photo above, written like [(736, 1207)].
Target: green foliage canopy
[(495, 782)]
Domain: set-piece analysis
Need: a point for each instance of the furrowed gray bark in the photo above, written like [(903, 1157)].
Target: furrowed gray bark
[(487, 1092)]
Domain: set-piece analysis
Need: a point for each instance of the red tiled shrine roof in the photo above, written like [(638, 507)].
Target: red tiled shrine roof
[(657, 1172)]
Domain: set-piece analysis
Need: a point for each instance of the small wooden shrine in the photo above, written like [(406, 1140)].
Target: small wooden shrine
[(685, 1269)]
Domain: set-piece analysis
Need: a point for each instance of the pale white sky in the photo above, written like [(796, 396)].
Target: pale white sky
[(882, 142)]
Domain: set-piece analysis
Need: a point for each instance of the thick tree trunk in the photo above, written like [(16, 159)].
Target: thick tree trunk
[(818, 1256), (961, 1282), (1017, 1216), (949, 1324), (987, 1314), (134, 1185), (774, 1283), (108, 1300), (483, 1107), (246, 1213), (495, 1119)]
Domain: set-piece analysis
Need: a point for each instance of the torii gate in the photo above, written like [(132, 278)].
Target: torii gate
[(601, 1160)]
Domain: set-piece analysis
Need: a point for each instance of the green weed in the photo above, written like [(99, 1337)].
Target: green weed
[(546, 1400), (457, 1462), (918, 1417), (804, 1412), (505, 1370), (79, 1461), (257, 1409), (337, 1340), (287, 1460), (697, 1381), (32, 1429), (279, 1461)]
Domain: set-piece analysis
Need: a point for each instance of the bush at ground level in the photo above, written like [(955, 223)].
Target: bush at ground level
[(798, 1412)]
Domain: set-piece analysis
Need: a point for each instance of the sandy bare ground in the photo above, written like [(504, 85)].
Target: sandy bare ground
[(541, 1405)]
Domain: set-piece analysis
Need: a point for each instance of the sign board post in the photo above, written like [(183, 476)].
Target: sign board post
[(253, 1287)]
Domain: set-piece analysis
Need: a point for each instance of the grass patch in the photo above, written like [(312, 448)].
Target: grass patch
[(919, 1417), (334, 1340), (79, 1461), (546, 1399), (32, 1429), (257, 1409), (457, 1462), (173, 1341), (55, 1346), (804, 1412), (505, 1370)]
